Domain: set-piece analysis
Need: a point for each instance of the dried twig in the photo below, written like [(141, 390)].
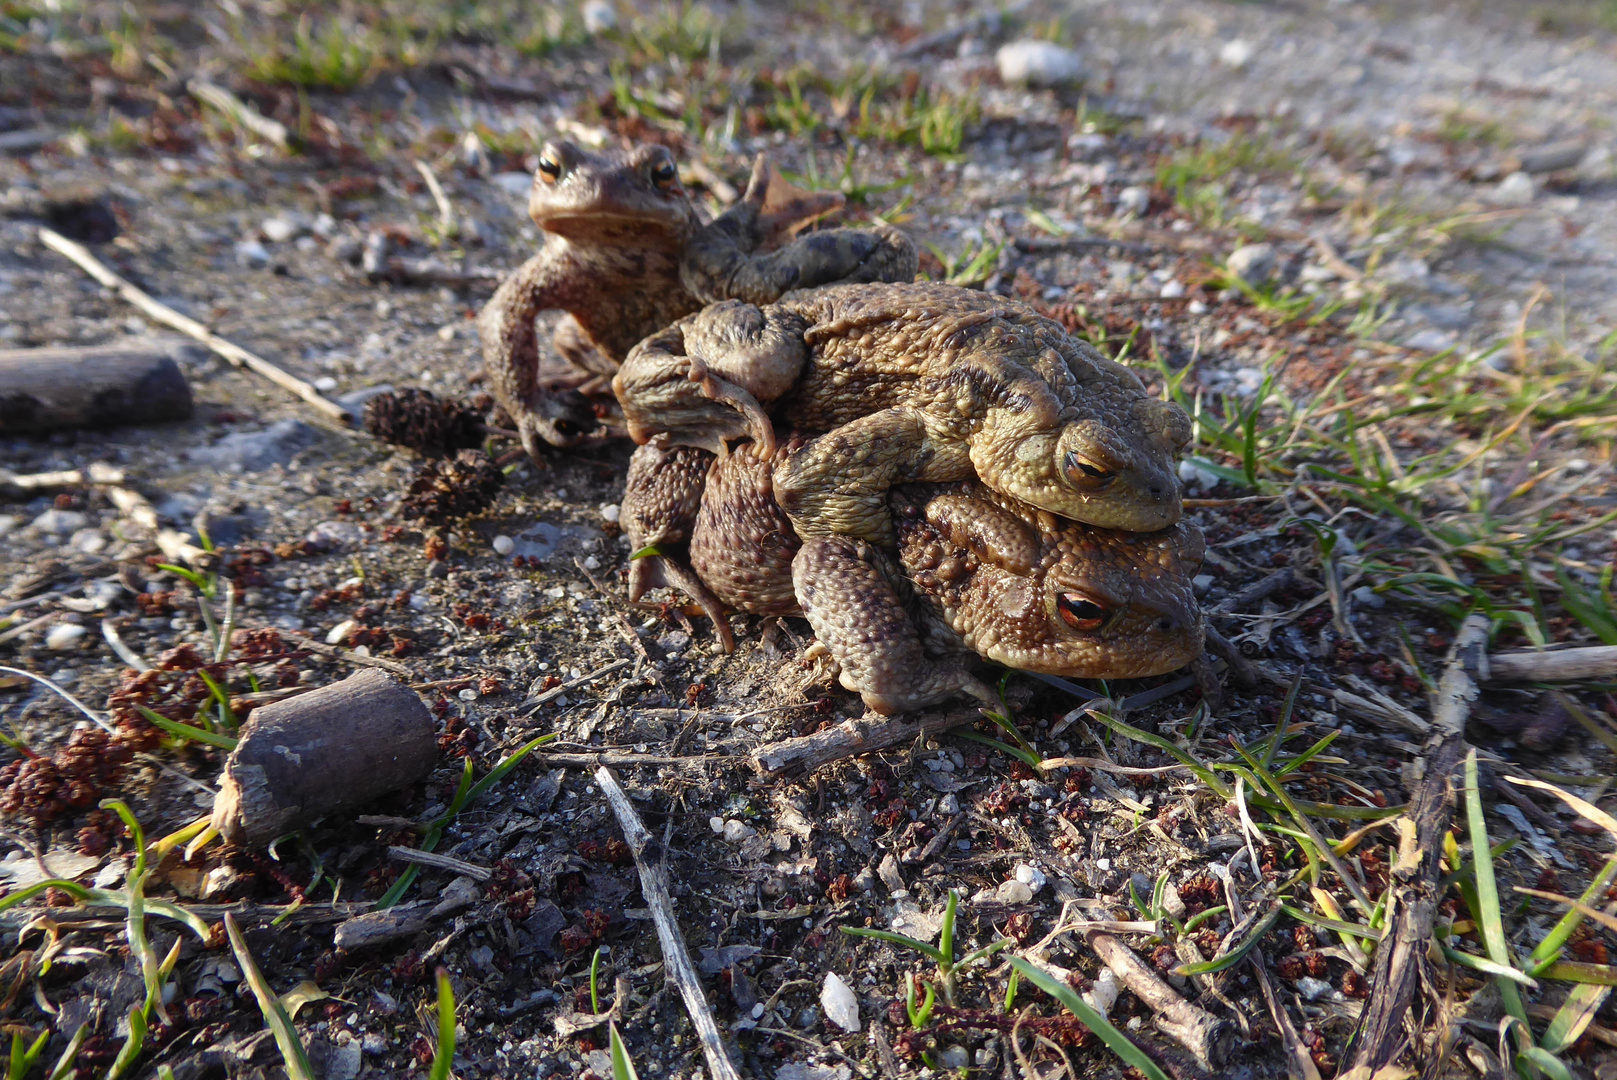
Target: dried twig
[(440, 862), (532, 704), (446, 212), (27, 484), (248, 117), (335, 652), (654, 886), (1208, 1038), (847, 739), (1401, 958), (162, 313), (1556, 665)]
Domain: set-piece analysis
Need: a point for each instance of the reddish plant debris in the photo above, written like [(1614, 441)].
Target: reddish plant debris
[(508, 885), (840, 887), (1201, 893), (450, 488), (40, 789), (614, 852)]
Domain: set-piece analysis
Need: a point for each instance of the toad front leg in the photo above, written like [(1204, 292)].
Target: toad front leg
[(706, 378), (838, 482), (849, 592), (511, 357)]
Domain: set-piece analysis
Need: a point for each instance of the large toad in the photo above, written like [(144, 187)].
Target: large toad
[(912, 382), (626, 254), (975, 573)]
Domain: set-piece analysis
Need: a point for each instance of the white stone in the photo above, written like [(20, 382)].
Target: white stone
[(282, 227), (1236, 54), (736, 831), (340, 632), (89, 541), (252, 254), (1038, 63), (60, 522), (1517, 189), (717, 825), (839, 1003), (610, 512), (8, 522), (64, 635), (1196, 307), (1172, 287), (954, 1057), (1015, 892), (446, 332), (1133, 200), (599, 16), (325, 384), (1102, 994), (504, 545), (1312, 988), (1029, 875), (1254, 264)]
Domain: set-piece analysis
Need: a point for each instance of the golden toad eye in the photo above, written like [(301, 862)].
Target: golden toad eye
[(1080, 612), (549, 169), (664, 175), (1085, 473)]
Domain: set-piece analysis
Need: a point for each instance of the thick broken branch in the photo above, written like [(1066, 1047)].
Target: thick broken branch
[(93, 387), (1401, 959), (654, 886)]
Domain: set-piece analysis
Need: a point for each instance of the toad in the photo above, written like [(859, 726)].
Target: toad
[(912, 382), (975, 572), (625, 254)]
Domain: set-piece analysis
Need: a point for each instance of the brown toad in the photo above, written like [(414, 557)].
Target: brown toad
[(975, 573), (625, 254), (912, 382)]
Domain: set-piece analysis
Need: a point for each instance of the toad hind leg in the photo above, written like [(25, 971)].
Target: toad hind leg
[(848, 591)]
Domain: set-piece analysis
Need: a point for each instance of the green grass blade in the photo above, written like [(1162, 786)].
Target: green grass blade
[(946, 932), (1335, 925), (132, 1045), (1548, 1062), (1549, 949), (1202, 772), (891, 938), (1489, 967), (1031, 760), (1569, 971), (444, 1057), (496, 774), (1574, 1015), (1237, 954), (64, 1067), (622, 1064), (1103, 1028), (1487, 913), (187, 731), (286, 1036)]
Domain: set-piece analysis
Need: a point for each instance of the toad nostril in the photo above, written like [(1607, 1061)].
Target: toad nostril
[(1166, 624), (1156, 491)]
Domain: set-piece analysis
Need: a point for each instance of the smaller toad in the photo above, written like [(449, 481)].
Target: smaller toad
[(626, 254)]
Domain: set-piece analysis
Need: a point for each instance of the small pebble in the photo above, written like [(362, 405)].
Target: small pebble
[(504, 545), (1134, 201), (1196, 307), (1172, 288), (840, 1005), (1517, 189), (1254, 264), (325, 384), (252, 254), (599, 16), (717, 825), (1038, 63), (64, 635), (1236, 54), (609, 512), (467, 694), (954, 1057), (446, 332), (1029, 875), (281, 228), (60, 522), (341, 631)]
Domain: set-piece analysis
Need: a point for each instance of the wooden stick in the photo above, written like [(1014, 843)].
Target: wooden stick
[(1197, 1030), (533, 703), (1401, 958), (330, 750), (1557, 665), (654, 886), (847, 739), (628, 760), (166, 315), (239, 111), (98, 472), (337, 652), (93, 387)]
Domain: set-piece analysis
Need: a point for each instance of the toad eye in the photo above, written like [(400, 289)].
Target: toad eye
[(664, 175), (1084, 473), (549, 169), (1080, 612)]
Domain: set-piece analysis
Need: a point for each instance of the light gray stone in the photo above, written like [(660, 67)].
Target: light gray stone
[(1254, 264), (255, 451), (1039, 63)]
